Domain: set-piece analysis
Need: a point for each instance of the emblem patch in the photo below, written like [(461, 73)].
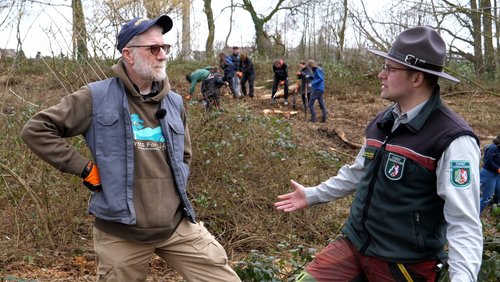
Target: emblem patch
[(369, 153), (460, 173), (394, 166)]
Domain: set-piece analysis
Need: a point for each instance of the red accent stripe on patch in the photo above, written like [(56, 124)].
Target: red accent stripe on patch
[(374, 143), (425, 161)]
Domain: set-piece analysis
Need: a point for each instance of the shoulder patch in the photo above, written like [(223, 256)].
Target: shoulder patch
[(394, 166), (460, 173), (369, 153)]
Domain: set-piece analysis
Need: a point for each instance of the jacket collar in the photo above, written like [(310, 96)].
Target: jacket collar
[(414, 125)]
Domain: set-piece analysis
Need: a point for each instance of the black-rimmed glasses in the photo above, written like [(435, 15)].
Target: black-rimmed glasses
[(388, 69), (155, 48)]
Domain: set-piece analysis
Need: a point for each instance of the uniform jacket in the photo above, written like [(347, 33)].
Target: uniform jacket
[(396, 213)]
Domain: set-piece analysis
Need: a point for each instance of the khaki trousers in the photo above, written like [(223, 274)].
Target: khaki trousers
[(191, 250)]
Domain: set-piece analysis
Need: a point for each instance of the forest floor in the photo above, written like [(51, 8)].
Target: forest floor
[(343, 133)]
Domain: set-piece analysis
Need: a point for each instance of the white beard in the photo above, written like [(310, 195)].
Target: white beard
[(152, 72)]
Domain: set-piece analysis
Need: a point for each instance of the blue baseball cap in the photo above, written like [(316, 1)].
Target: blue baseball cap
[(140, 25)]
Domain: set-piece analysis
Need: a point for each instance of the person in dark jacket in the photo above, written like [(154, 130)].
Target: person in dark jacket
[(305, 89), (227, 65), (248, 72), (490, 174), (137, 132), (235, 58), (280, 70), (416, 181), (210, 88)]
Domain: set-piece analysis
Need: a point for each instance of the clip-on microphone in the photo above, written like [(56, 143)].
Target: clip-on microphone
[(161, 113)]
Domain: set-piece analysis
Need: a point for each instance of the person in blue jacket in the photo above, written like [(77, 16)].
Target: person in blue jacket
[(490, 174), (318, 90)]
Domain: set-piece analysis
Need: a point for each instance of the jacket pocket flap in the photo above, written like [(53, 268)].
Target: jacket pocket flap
[(178, 128), (107, 120)]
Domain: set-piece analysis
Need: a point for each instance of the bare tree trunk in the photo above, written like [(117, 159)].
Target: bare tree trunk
[(230, 25), (308, 28), (80, 50), (489, 52), (496, 14), (153, 8), (340, 49), (315, 45), (258, 23), (19, 47), (186, 30), (302, 50), (476, 34), (209, 46)]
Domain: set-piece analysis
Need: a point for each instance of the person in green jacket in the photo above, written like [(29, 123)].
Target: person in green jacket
[(197, 76)]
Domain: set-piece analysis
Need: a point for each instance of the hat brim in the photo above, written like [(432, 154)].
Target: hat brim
[(437, 73)]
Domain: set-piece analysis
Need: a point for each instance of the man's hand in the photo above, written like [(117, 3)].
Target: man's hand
[(292, 201), (282, 82), (91, 177)]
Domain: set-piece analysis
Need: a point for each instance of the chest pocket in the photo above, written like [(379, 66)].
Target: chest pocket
[(109, 133), (177, 141)]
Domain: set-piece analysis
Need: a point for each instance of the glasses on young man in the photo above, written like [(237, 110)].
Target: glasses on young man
[(155, 48), (388, 69)]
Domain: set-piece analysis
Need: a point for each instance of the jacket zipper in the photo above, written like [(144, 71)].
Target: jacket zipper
[(364, 218)]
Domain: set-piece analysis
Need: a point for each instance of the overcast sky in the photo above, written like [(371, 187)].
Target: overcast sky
[(49, 28)]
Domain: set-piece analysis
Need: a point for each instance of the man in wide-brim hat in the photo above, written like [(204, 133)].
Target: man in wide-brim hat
[(416, 181)]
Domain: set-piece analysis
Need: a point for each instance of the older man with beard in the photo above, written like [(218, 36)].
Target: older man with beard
[(136, 129)]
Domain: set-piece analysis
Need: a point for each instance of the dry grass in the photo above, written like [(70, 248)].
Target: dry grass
[(243, 159)]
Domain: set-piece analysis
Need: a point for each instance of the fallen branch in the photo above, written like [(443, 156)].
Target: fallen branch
[(469, 92), (342, 153), (21, 98), (341, 135), (33, 197)]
